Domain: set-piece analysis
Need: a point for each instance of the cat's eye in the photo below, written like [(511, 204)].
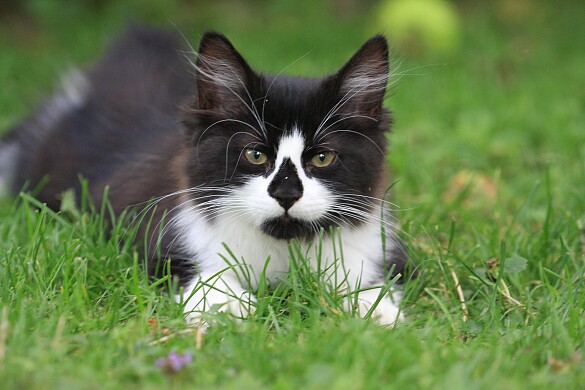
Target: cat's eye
[(255, 156), (322, 159)]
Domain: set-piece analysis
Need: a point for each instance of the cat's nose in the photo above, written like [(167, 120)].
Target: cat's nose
[(286, 187), (287, 196)]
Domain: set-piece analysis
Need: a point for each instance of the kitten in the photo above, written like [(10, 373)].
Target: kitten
[(233, 159)]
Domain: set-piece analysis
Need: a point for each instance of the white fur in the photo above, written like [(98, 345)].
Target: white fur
[(221, 72), (365, 82), (386, 312), (238, 228), (73, 93), (8, 156)]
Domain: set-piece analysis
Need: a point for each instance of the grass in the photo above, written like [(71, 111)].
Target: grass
[(489, 152)]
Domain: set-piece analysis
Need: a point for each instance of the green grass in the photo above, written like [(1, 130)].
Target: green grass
[(489, 151)]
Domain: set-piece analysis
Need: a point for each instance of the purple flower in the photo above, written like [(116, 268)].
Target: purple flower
[(174, 361)]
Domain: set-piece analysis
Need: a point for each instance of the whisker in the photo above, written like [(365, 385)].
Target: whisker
[(379, 83), (227, 155), (357, 133)]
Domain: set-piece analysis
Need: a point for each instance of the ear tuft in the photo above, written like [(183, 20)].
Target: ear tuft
[(363, 79), (222, 74)]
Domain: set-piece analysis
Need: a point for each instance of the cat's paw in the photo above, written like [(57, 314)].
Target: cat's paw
[(386, 312), (240, 307), (203, 299)]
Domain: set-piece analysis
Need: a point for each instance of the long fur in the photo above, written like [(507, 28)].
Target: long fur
[(156, 125)]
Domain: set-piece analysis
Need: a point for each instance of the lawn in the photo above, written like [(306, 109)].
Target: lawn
[(488, 154)]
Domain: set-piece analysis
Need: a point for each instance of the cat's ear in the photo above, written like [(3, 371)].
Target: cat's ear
[(222, 75), (362, 80)]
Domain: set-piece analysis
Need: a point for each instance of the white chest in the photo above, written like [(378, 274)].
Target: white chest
[(235, 243)]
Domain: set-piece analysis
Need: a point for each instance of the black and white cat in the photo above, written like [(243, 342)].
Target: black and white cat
[(232, 158)]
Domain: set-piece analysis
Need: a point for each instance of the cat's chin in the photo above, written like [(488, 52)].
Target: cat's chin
[(287, 228)]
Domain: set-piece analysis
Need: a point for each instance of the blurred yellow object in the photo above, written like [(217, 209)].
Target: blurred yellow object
[(420, 26)]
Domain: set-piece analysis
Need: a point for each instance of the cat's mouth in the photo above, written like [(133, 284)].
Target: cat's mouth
[(287, 228)]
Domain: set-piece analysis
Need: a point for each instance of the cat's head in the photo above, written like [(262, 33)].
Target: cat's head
[(287, 155)]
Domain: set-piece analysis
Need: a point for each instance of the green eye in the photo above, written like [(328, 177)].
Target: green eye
[(323, 159), (255, 156)]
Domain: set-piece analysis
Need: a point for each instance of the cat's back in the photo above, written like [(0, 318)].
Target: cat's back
[(121, 108), (144, 70)]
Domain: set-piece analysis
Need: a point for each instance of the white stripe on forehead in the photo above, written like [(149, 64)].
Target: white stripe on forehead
[(291, 146)]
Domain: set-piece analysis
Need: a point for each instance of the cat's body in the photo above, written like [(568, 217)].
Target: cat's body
[(234, 159)]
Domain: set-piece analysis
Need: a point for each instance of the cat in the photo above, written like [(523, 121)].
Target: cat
[(231, 158)]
